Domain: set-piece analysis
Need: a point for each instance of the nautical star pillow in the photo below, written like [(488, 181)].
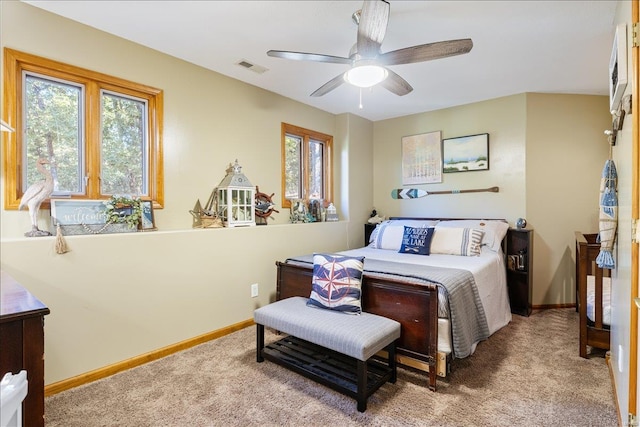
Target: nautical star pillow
[(337, 280)]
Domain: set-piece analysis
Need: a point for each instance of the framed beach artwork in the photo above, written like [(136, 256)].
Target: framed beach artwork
[(422, 158), (466, 153)]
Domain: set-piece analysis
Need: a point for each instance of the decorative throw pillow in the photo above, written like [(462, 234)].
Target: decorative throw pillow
[(389, 234), (337, 282), (456, 241), (494, 230), (416, 240)]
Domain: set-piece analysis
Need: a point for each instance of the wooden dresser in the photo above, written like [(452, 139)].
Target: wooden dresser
[(22, 344)]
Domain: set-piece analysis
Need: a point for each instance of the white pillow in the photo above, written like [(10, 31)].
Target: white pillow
[(388, 234), (456, 241), (494, 230)]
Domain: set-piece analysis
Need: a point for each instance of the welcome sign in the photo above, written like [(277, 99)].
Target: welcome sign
[(76, 217), (72, 212)]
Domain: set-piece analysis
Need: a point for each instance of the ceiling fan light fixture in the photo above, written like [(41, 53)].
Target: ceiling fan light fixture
[(366, 75), (366, 55)]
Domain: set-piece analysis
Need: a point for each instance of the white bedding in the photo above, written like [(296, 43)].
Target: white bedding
[(606, 299), (488, 271)]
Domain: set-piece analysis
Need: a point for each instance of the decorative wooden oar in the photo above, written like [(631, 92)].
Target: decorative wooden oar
[(414, 193)]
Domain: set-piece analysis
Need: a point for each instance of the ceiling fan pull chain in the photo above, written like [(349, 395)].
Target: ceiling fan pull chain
[(360, 105)]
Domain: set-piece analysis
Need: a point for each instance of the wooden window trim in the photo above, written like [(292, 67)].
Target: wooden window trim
[(15, 62), (306, 135)]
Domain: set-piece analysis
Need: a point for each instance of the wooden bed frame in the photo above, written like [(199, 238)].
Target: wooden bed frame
[(414, 306), (592, 333)]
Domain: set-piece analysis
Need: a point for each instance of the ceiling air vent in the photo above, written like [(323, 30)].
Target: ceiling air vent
[(249, 66)]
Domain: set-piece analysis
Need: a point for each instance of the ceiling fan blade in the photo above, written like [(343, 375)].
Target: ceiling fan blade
[(372, 27), (426, 52), (302, 56), (329, 86), (396, 84)]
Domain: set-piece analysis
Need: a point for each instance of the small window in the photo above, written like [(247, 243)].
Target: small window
[(101, 135), (306, 165), (124, 153), (53, 129)]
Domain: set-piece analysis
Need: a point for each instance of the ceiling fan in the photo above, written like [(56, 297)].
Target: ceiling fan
[(368, 63)]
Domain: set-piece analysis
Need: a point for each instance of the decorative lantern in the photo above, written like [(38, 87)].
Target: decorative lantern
[(236, 199)]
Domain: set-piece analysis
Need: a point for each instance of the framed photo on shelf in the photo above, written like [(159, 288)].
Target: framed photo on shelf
[(466, 153), (147, 221), (618, 67), (422, 158)]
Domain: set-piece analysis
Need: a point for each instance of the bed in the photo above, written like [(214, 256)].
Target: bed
[(593, 295), (447, 302)]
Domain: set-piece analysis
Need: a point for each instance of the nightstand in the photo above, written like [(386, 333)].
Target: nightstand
[(519, 270), (368, 229)]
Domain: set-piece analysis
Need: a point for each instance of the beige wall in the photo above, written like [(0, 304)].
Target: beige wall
[(357, 179), (546, 154), (566, 150), (504, 119), (118, 296)]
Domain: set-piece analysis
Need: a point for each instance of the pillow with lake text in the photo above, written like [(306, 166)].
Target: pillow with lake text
[(416, 240), (389, 234)]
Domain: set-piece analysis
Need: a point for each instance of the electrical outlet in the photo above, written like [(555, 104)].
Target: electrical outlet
[(254, 290)]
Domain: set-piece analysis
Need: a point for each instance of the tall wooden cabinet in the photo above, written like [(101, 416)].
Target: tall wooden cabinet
[(519, 253), (22, 344)]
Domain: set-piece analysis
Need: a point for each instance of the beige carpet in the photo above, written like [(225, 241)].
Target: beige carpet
[(527, 374)]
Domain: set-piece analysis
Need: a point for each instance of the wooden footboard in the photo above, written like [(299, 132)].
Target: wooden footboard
[(592, 333), (415, 306)]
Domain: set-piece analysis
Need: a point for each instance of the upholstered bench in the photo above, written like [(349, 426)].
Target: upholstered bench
[(335, 349)]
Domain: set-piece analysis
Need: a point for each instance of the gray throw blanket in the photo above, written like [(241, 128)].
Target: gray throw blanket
[(468, 320)]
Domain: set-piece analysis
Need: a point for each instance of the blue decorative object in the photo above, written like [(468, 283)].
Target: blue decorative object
[(416, 240), (608, 215)]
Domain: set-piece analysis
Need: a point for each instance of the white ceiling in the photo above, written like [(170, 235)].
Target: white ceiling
[(519, 46)]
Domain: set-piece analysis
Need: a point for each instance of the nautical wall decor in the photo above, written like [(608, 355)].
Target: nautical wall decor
[(264, 207), (608, 214), (415, 193), (207, 217), (236, 198)]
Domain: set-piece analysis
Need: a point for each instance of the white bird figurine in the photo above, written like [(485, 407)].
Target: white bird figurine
[(37, 193)]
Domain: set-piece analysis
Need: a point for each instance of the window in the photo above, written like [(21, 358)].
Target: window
[(306, 165), (101, 135)]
